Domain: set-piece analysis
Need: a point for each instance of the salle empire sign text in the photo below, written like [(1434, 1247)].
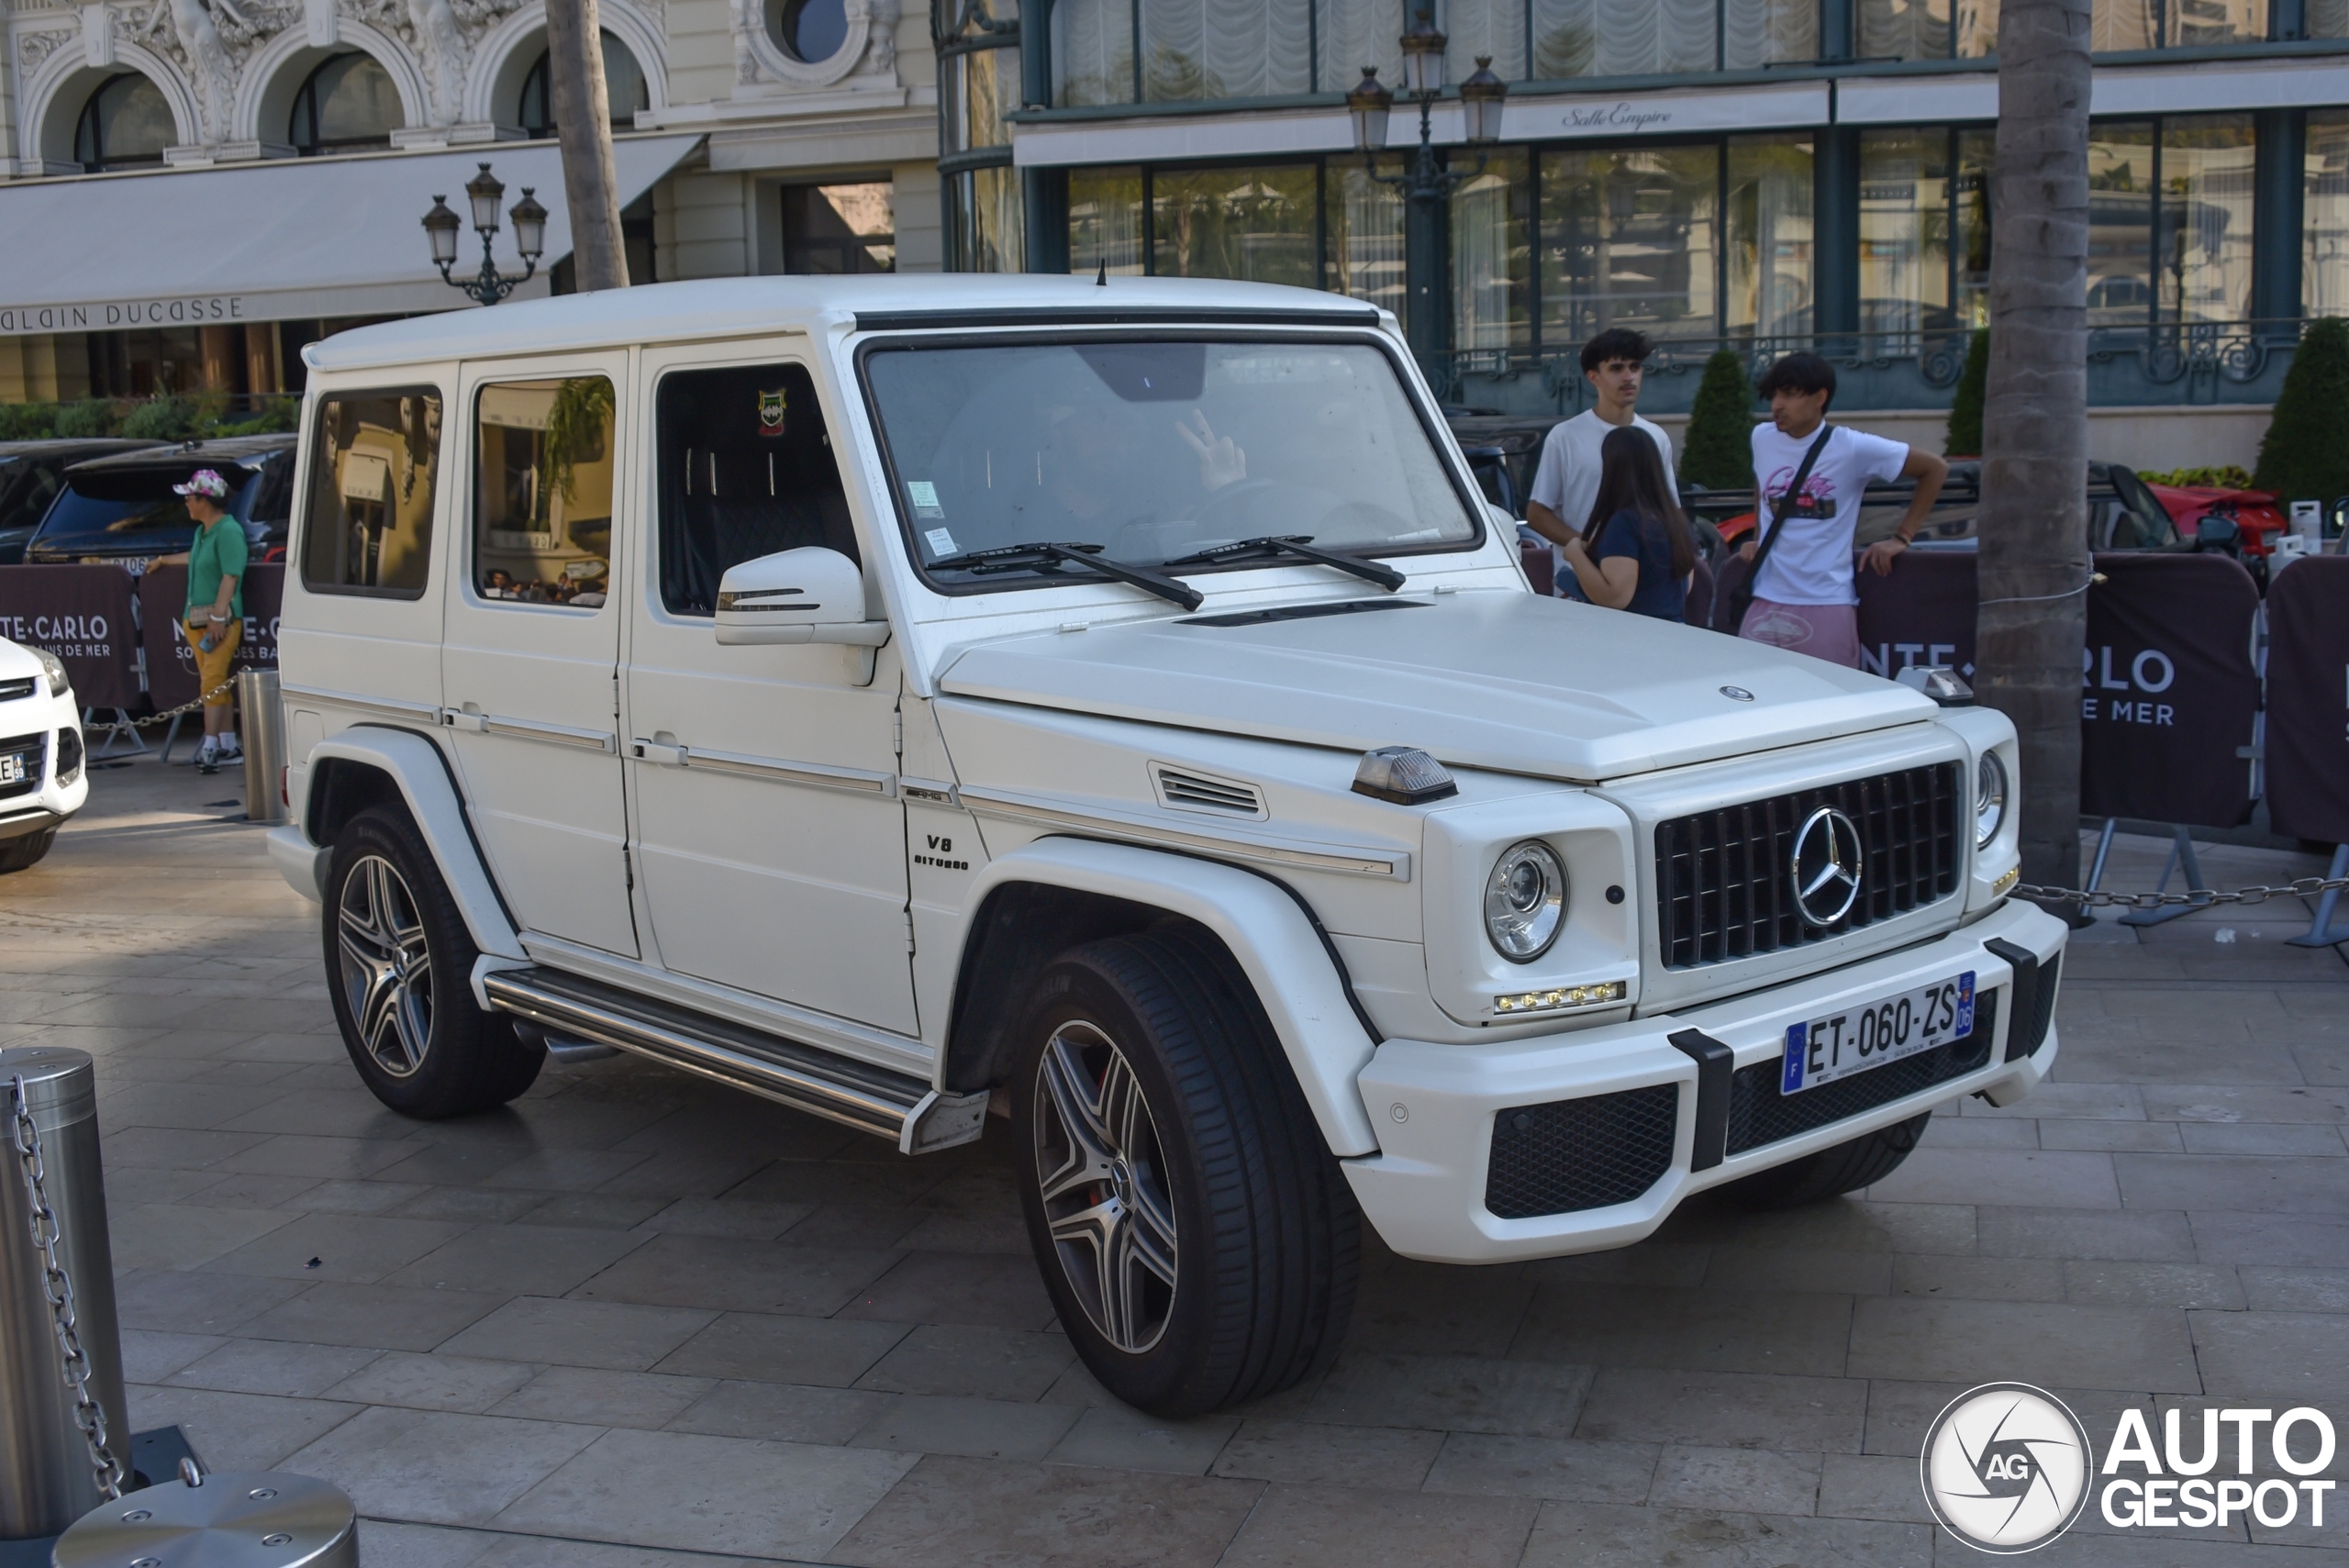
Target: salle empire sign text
[(1623, 117), (98, 315)]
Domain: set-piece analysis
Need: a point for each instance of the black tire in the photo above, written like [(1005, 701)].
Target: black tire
[(1224, 1165), (25, 849), (1831, 1173), (399, 970)]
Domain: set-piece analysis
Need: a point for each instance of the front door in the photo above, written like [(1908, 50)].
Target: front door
[(530, 672), (770, 838)]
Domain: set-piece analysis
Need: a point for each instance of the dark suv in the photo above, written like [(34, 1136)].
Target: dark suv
[(31, 473), (122, 507)]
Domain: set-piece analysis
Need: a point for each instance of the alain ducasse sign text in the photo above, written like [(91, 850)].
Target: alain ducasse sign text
[(97, 316)]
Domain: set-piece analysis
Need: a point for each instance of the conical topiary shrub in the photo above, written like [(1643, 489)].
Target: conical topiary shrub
[(1965, 408), (1718, 452), (2305, 454)]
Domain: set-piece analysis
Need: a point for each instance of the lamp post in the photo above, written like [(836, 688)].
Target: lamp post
[(1426, 184), (482, 192)]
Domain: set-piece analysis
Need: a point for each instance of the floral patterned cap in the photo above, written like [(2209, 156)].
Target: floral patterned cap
[(203, 481)]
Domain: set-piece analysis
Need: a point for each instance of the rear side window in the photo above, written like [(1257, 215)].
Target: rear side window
[(543, 491), (374, 462), (746, 470)]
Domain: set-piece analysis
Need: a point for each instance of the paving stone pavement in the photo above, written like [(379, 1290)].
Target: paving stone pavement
[(638, 1323)]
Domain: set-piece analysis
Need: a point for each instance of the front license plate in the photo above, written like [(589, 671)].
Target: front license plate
[(12, 768), (1841, 1044)]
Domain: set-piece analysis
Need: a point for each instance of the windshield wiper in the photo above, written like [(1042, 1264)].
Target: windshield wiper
[(1046, 555), (1298, 547)]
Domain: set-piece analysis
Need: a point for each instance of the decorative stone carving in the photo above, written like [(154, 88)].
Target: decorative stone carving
[(32, 49)]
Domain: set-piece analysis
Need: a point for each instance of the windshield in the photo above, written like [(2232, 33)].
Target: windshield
[(1150, 452)]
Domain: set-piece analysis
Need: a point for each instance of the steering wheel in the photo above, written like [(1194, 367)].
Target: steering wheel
[(1220, 505)]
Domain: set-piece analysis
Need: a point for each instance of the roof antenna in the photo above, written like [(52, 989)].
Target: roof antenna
[(1101, 278)]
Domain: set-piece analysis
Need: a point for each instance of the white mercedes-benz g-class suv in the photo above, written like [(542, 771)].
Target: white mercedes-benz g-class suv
[(1111, 700)]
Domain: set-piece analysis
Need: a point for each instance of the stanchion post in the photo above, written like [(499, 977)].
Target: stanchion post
[(263, 716), (2323, 932), (47, 1480)]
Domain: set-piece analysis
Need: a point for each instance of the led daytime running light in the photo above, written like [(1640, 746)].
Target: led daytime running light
[(1562, 998)]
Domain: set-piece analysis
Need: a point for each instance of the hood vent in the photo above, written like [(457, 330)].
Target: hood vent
[(1181, 791)]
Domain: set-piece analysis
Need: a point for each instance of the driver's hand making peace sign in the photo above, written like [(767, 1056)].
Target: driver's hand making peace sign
[(1220, 461)]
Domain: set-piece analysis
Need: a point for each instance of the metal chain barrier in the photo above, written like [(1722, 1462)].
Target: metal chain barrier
[(187, 706), (88, 1413), (2306, 887)]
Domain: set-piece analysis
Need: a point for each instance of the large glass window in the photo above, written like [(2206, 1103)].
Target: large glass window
[(1254, 222), (2325, 223), (2325, 19), (1629, 237), (375, 460), (1093, 53), (2169, 220), (746, 470), (1105, 222), (543, 491), (1194, 50), (1363, 220), (978, 70), (347, 102), (625, 90), (1924, 234), (2117, 25), (988, 236), (1767, 230), (1153, 450), (126, 125), (839, 228), (1492, 275), (1927, 29)]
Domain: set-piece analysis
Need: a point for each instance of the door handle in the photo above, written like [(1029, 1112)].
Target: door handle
[(459, 719), (653, 751)]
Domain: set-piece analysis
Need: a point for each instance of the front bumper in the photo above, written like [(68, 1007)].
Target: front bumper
[(50, 803), (1434, 1105)]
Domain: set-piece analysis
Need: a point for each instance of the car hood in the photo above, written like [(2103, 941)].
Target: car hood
[(1507, 681)]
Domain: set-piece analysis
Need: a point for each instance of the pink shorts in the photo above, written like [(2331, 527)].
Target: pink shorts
[(1824, 631)]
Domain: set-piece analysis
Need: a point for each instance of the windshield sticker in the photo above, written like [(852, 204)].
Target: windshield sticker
[(924, 496), (771, 410), (941, 542)]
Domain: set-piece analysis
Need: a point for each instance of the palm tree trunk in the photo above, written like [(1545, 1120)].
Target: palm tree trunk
[(582, 118), (2035, 422)]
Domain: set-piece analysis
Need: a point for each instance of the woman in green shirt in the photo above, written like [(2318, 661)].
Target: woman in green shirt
[(214, 619)]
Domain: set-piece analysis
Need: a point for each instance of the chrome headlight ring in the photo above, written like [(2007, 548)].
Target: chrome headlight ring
[(1525, 901), (1991, 788)]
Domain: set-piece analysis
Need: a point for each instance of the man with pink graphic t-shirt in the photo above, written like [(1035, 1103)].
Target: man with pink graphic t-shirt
[(1806, 593)]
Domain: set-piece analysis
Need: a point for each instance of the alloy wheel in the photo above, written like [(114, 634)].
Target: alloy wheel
[(386, 965), (1102, 1172)]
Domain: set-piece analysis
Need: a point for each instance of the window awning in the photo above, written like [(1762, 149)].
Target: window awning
[(278, 241)]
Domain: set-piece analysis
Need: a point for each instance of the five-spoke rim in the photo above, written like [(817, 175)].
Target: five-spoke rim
[(387, 967), (1103, 1175)]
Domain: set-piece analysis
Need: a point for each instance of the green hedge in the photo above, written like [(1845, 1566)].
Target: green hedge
[(201, 417)]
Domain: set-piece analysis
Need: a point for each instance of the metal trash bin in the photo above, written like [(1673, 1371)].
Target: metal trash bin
[(241, 1519), (263, 720), (46, 1480)]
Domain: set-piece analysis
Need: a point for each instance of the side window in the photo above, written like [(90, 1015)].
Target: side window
[(543, 491), (746, 470), (374, 459)]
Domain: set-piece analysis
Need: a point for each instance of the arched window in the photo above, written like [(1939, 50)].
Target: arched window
[(810, 31), (624, 85), (349, 101), (126, 125)]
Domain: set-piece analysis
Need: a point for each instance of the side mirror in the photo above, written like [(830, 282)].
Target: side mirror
[(2216, 530), (811, 594)]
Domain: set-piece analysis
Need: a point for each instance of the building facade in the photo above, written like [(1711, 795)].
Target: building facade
[(191, 189), (1752, 173)]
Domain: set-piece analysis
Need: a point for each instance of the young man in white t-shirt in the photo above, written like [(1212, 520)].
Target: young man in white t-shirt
[(1806, 594), (1566, 482)]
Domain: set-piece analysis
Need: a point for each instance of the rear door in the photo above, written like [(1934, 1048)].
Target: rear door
[(530, 667)]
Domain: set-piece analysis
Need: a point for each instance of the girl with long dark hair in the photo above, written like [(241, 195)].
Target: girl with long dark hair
[(1635, 551)]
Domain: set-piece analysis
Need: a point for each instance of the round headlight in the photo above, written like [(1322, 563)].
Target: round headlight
[(1525, 901), (1989, 799)]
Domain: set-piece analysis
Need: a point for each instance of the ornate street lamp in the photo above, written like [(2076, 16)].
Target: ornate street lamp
[(483, 193), (1426, 185)]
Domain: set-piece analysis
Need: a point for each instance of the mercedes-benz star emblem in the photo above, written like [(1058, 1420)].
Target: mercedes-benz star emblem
[(1736, 694), (1826, 863)]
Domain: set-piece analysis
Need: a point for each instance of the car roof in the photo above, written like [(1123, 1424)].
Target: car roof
[(69, 449), (733, 307), (248, 450)]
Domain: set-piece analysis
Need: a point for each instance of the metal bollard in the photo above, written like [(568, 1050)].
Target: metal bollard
[(45, 1477), (264, 718), (248, 1519)]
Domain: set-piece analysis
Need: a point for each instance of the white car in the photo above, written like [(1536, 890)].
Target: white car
[(1107, 705), (42, 780)]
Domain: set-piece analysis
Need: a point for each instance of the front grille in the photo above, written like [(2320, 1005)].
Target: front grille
[(1760, 1115), (1570, 1155), (29, 750), (1724, 886)]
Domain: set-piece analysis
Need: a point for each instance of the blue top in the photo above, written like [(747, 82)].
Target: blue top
[(1660, 593)]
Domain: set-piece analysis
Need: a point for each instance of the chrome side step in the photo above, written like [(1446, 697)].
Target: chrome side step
[(894, 1105)]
